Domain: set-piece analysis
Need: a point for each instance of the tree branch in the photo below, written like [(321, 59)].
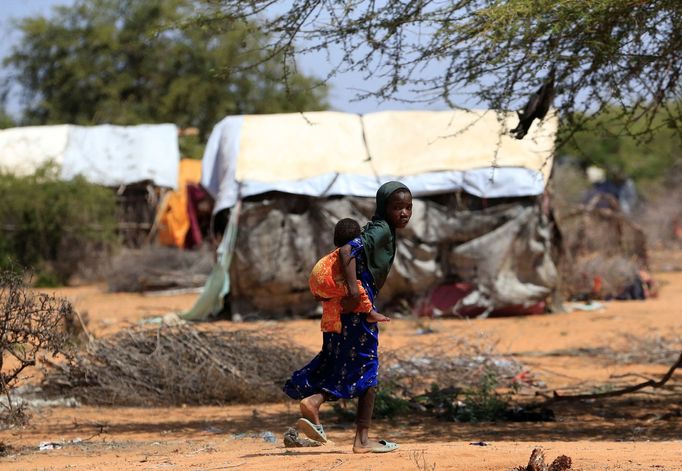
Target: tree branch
[(619, 392)]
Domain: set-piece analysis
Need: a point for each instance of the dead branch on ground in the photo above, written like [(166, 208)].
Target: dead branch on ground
[(619, 392), (537, 462)]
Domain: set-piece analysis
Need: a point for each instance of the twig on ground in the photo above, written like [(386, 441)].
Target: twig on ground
[(619, 392)]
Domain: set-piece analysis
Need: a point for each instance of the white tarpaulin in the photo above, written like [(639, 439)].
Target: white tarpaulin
[(119, 155), (24, 150), (416, 142), (296, 146), (107, 155), (330, 153)]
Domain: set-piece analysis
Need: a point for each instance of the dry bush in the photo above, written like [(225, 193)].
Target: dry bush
[(661, 219), (600, 243), (462, 381), (30, 324), (179, 364), (459, 363), (652, 349), (655, 349), (616, 274), (568, 185), (156, 268)]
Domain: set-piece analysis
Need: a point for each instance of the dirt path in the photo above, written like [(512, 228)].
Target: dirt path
[(642, 432)]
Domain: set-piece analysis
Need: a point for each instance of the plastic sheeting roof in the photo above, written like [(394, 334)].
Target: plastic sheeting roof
[(331, 153), (24, 150), (107, 155)]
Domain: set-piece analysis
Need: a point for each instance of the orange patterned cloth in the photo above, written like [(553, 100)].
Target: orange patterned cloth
[(327, 281)]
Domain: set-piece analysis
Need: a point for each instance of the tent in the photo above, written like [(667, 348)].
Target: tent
[(141, 162), (296, 174), (328, 153), (107, 155)]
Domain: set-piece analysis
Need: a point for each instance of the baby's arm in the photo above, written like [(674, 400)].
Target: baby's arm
[(350, 302), (365, 306)]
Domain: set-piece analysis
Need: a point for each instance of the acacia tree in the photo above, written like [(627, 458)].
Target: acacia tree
[(126, 62), (615, 54)]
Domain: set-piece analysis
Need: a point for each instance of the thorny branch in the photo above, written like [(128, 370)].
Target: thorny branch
[(608, 53)]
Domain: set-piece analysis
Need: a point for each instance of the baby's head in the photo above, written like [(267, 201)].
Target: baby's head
[(346, 230)]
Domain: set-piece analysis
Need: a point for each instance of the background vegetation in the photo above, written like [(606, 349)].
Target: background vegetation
[(128, 62), (648, 162), (122, 62), (54, 227), (31, 325)]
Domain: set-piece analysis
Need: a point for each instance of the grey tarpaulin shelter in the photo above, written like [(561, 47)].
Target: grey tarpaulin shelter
[(297, 174)]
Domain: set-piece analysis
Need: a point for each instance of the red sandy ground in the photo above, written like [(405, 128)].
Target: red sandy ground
[(635, 432)]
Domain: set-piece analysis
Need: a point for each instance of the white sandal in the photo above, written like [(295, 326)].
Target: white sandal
[(311, 430)]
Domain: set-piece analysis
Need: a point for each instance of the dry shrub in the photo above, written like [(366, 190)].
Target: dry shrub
[(156, 268), (600, 243), (461, 380), (178, 364), (30, 324), (616, 274), (655, 349), (459, 362), (652, 349), (661, 219)]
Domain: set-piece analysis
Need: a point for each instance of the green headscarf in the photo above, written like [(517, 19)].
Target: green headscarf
[(378, 237)]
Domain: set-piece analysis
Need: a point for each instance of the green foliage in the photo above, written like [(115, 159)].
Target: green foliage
[(644, 158), (441, 402), (482, 402), (478, 403), (53, 226), (191, 147), (389, 403), (129, 62), (5, 121)]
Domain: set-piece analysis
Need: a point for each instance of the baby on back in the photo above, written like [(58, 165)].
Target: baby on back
[(328, 283)]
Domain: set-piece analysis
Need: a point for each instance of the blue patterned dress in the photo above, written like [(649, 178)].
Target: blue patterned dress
[(349, 363)]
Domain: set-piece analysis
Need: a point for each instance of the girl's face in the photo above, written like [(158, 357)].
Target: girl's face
[(399, 209)]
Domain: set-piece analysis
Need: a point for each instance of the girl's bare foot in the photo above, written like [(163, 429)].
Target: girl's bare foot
[(362, 443), (367, 447), (374, 316)]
